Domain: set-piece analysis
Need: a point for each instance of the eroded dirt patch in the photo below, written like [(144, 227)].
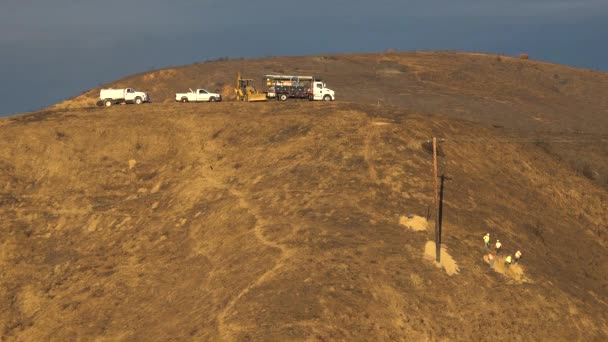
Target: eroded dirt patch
[(446, 261), (515, 272), (414, 222)]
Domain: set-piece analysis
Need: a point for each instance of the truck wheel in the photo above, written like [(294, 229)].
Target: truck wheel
[(283, 97), (326, 98), (99, 103), (108, 103), (184, 99), (212, 99), (138, 100)]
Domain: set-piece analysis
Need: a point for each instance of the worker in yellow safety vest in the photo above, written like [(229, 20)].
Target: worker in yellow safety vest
[(517, 256), (486, 241), (508, 261), (498, 246)]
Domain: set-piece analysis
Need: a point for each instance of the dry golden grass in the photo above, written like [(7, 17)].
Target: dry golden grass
[(506, 92), (280, 221)]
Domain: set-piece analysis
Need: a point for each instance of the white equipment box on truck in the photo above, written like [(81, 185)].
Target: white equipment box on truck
[(283, 87), (111, 96)]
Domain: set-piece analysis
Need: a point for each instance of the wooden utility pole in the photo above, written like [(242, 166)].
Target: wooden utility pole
[(437, 231)]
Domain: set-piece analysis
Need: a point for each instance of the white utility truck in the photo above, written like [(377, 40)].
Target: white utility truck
[(200, 95), (283, 87), (111, 96)]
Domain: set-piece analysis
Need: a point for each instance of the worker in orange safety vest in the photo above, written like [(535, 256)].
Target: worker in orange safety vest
[(491, 260)]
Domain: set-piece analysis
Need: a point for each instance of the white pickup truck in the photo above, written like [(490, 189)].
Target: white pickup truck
[(200, 95), (111, 96)]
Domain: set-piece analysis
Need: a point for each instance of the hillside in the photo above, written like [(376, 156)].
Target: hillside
[(539, 101), (289, 221)]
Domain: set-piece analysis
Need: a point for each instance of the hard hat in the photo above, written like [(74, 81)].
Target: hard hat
[(497, 240)]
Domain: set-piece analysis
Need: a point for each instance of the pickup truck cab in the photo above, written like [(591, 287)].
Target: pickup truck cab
[(200, 95)]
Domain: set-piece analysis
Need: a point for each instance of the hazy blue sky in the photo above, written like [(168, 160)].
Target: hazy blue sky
[(53, 49)]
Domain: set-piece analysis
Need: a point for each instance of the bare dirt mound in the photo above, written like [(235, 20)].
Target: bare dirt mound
[(514, 272), (445, 259), (414, 222), (279, 221)]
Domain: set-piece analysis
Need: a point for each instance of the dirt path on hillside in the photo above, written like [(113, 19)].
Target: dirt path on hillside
[(371, 133), (227, 330), (367, 154)]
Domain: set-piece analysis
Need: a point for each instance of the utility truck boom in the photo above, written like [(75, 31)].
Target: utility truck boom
[(283, 87)]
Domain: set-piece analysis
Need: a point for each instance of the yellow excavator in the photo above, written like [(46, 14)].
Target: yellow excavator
[(245, 90)]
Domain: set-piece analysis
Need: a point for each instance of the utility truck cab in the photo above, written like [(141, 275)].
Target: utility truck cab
[(321, 92)]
